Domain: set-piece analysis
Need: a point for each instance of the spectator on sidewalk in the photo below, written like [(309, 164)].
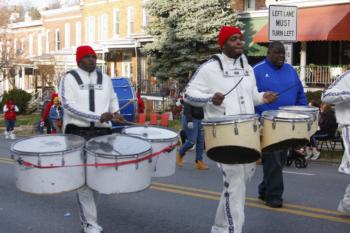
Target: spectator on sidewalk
[(10, 110), (45, 119), (56, 116)]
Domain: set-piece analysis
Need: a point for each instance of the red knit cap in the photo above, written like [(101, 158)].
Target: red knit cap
[(83, 51), (226, 32)]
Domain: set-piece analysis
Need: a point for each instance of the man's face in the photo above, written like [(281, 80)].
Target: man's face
[(88, 63), (233, 46), (277, 56)]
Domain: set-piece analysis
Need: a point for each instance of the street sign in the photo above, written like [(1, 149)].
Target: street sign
[(283, 23)]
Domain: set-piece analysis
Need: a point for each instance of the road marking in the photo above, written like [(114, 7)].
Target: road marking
[(254, 202), (299, 173)]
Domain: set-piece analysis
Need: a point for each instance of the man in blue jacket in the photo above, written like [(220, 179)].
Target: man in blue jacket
[(275, 75)]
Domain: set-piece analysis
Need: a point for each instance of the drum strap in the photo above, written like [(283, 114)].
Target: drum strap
[(91, 89), (217, 58)]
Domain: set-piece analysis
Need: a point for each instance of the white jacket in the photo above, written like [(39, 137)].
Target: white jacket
[(75, 99), (209, 79), (338, 93)]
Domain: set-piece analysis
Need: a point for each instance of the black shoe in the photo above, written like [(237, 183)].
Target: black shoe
[(262, 198), (274, 203)]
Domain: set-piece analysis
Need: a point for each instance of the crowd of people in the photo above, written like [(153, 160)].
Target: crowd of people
[(88, 113)]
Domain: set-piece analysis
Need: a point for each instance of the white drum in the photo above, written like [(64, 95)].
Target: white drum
[(134, 175), (49, 151), (233, 139), (283, 130), (164, 164), (314, 111)]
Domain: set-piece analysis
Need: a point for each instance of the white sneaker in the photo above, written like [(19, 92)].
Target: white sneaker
[(308, 152), (93, 229), (7, 135), (342, 208), (12, 135), (215, 229), (315, 154)]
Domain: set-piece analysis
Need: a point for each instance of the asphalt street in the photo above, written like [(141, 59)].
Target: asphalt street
[(183, 203)]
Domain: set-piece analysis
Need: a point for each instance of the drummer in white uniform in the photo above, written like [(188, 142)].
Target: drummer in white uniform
[(89, 103), (338, 93), (207, 88)]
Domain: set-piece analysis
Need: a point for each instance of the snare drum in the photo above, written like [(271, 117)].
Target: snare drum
[(314, 111), (133, 176), (164, 164), (49, 150), (233, 139), (282, 130)]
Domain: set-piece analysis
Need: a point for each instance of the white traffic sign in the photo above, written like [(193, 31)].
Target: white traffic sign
[(283, 23)]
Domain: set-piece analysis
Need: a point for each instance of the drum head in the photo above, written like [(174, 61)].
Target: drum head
[(233, 154), (308, 109), (48, 144), (151, 133), (117, 145), (229, 119), (285, 116)]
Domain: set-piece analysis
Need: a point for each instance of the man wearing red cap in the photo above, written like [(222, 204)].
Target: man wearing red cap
[(89, 104), (226, 86)]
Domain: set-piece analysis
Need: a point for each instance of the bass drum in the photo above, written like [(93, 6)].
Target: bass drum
[(133, 172), (56, 151), (125, 93)]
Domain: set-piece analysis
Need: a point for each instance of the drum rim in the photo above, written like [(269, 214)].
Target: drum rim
[(26, 153), (252, 117), (269, 117), (104, 155), (151, 140), (306, 108)]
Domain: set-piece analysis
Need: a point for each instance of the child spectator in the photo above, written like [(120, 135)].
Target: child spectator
[(10, 112)]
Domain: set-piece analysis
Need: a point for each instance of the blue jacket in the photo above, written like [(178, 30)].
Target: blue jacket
[(56, 113), (271, 78)]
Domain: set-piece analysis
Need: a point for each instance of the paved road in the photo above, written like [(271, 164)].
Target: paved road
[(183, 203)]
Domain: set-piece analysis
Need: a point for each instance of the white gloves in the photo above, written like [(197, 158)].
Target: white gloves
[(190, 125)]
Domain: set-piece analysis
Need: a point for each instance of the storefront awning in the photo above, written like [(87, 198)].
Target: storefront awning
[(326, 23)]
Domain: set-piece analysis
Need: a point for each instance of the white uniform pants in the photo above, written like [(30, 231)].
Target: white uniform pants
[(87, 199), (230, 213), (344, 204)]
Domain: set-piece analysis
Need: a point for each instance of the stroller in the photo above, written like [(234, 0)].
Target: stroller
[(297, 157)]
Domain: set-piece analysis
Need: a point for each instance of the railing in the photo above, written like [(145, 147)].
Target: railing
[(321, 76)]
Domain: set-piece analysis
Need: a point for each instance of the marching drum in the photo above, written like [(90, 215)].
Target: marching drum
[(55, 151), (282, 130), (233, 139), (131, 174), (159, 137), (314, 111)]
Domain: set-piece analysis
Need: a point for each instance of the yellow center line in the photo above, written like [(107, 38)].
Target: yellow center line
[(206, 193)]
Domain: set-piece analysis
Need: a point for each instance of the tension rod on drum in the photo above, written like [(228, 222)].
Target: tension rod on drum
[(125, 105)]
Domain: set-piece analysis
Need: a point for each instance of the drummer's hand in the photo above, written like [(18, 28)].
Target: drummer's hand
[(270, 97), (118, 118), (105, 117), (218, 98)]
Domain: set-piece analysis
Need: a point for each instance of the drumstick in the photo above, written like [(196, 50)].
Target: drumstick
[(233, 87), (125, 105), (133, 123), (287, 89)]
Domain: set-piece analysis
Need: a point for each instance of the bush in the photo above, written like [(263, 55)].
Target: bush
[(20, 96)]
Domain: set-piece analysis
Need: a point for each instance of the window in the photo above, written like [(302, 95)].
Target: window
[(103, 27), (130, 20), (116, 21), (14, 48), (47, 41), (30, 41), (91, 29), (77, 33), (67, 35), (145, 17), (40, 45), (249, 5), (57, 40)]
